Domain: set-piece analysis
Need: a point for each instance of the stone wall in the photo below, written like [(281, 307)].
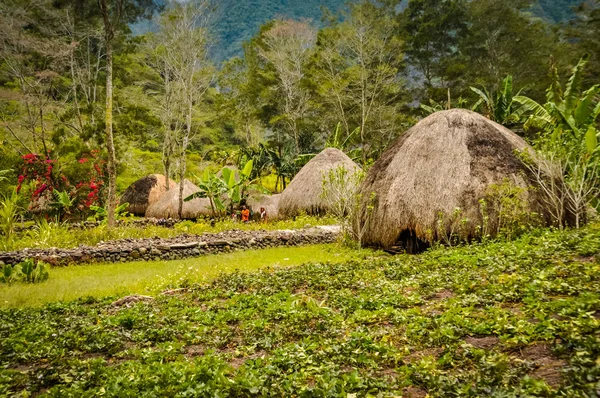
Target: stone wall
[(182, 246)]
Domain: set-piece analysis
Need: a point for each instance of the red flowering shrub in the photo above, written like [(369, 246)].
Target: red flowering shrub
[(44, 176)]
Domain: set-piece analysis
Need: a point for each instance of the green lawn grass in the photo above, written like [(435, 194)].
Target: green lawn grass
[(116, 279)]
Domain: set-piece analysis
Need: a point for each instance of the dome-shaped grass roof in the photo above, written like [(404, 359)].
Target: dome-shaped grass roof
[(145, 192), (440, 169), (303, 194)]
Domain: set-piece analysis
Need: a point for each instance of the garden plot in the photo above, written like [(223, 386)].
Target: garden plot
[(497, 319)]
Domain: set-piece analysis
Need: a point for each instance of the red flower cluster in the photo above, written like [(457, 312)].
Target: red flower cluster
[(44, 176)]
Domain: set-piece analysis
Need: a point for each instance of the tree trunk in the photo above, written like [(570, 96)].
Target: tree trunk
[(167, 160), (110, 144), (186, 137)]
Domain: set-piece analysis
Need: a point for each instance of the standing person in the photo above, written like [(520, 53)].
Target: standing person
[(245, 214), (263, 214)]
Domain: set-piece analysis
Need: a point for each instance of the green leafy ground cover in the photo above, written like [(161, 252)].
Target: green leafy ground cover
[(495, 320), (141, 277), (46, 234)]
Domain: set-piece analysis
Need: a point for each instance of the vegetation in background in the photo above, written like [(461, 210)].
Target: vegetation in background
[(9, 210), (363, 67), (515, 318)]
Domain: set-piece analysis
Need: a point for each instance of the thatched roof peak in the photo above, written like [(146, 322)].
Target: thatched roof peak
[(145, 192), (445, 162), (304, 191)]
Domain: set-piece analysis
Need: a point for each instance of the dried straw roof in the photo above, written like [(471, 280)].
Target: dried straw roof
[(145, 192), (168, 204), (304, 191), (269, 202), (446, 161)]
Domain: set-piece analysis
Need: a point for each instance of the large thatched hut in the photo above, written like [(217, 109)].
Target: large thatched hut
[(168, 204), (145, 192), (430, 181), (304, 191), (269, 202)]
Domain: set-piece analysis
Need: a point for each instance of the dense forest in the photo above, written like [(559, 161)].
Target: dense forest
[(80, 95)]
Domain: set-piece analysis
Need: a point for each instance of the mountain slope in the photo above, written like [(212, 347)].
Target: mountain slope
[(555, 10), (236, 21)]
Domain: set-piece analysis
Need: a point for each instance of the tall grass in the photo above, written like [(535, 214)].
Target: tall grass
[(9, 210), (54, 234)]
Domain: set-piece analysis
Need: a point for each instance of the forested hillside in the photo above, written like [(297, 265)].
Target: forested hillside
[(556, 10), (353, 81), (236, 21)]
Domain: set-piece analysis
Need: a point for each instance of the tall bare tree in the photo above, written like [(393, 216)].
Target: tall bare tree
[(114, 14), (357, 66), (287, 46), (186, 68)]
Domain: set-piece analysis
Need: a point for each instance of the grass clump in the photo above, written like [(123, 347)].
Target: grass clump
[(499, 319)]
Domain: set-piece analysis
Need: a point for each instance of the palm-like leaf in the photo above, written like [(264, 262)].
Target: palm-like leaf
[(591, 139), (540, 117), (585, 108), (573, 86)]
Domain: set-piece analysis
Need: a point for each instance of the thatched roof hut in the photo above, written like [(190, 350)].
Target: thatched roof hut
[(445, 162), (304, 191), (269, 202), (145, 192), (168, 204)]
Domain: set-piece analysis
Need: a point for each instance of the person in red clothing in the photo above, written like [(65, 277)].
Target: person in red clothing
[(245, 214)]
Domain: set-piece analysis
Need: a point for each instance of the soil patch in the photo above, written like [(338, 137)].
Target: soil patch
[(486, 343), (413, 392), (548, 367), (418, 355)]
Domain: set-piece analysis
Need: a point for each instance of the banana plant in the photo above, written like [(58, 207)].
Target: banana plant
[(239, 188), (227, 191), (211, 187), (568, 118), (498, 106)]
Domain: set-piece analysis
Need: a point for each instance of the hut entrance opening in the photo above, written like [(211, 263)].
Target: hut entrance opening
[(409, 242)]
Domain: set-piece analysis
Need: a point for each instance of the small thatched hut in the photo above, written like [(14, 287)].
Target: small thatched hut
[(304, 191), (168, 204), (269, 202), (445, 162), (145, 192)]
